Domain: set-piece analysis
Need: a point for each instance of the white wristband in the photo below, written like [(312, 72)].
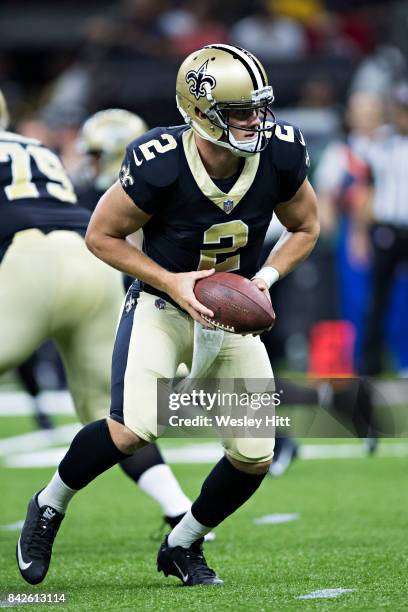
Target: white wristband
[(268, 274)]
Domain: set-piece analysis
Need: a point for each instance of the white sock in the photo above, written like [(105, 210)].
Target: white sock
[(160, 483), (56, 494), (187, 531)]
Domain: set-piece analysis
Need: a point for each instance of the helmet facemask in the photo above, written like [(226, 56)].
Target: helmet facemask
[(225, 115)]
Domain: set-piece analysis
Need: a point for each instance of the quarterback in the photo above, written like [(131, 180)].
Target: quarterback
[(204, 194)]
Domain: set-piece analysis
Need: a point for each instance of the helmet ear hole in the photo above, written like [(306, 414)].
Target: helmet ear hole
[(200, 113)]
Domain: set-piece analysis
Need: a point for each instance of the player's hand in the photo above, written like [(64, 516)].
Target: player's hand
[(260, 283), (180, 287), (262, 286)]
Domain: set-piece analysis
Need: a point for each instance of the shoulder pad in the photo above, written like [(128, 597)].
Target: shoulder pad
[(155, 155), (287, 144)]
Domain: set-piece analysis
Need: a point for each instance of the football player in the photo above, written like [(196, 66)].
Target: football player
[(204, 194), (102, 141), (45, 267), (52, 287)]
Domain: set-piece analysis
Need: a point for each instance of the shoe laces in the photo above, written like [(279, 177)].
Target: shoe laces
[(197, 562), (43, 536)]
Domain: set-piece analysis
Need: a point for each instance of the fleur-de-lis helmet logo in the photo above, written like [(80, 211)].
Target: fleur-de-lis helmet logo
[(198, 80)]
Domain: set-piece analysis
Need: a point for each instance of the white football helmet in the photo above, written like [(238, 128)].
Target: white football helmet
[(219, 80), (105, 136)]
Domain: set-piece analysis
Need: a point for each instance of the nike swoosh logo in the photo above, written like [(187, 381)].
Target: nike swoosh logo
[(137, 162), (22, 564), (184, 577)]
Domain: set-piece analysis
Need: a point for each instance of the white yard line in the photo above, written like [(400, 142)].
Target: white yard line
[(38, 440), (350, 451), (12, 526), (326, 593), (19, 403), (277, 519), (50, 457), (38, 454)]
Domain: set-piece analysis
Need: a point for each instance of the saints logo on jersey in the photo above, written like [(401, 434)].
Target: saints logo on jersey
[(129, 304), (198, 81), (125, 177)]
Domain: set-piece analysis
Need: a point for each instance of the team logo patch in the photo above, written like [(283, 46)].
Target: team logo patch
[(160, 304), (198, 81), (129, 304), (125, 177), (228, 205)]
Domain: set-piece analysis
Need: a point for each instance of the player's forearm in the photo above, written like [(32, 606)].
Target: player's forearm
[(291, 249), (126, 258)]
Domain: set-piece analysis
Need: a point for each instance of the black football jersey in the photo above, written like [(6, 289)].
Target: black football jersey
[(194, 224), (88, 196), (35, 191)]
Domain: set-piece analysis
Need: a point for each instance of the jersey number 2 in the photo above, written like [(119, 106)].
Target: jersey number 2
[(238, 231), (59, 185)]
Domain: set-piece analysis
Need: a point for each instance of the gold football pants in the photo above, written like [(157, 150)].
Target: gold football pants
[(154, 338), (53, 288)]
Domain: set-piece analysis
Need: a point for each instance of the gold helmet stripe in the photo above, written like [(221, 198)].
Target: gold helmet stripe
[(255, 73)]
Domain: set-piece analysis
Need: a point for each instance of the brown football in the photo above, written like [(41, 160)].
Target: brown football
[(237, 303)]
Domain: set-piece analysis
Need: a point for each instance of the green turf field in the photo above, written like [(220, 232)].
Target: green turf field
[(351, 534)]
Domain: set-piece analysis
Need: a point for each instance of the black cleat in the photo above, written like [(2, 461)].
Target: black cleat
[(187, 564), (34, 546)]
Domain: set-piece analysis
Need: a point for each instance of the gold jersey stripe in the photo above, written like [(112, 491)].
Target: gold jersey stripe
[(206, 185)]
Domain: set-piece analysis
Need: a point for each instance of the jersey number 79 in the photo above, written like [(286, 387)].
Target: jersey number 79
[(59, 186)]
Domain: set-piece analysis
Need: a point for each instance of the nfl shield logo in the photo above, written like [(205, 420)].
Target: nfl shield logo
[(160, 304), (228, 205)]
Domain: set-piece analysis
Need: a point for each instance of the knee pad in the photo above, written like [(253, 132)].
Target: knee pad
[(250, 450)]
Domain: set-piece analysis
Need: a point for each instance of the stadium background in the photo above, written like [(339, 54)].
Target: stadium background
[(61, 62)]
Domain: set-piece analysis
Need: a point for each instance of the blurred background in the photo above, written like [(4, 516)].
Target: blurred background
[(338, 70)]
